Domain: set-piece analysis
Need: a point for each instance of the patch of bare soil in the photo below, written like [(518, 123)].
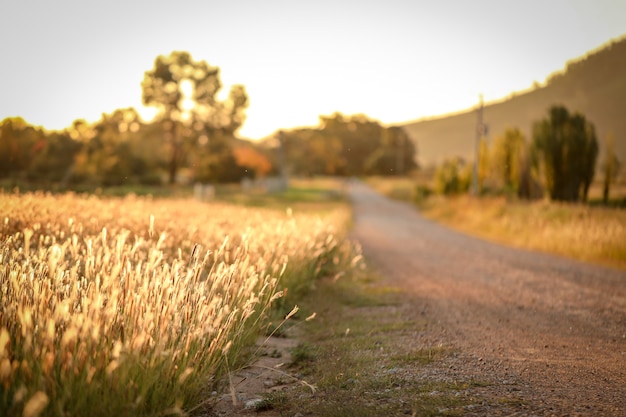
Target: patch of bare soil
[(250, 388)]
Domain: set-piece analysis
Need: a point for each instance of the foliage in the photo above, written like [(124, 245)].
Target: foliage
[(110, 154), (194, 135), (54, 160), (368, 148), (394, 156), (586, 233), (346, 146), (163, 88), (17, 141), (508, 155), (567, 149), (484, 164), (28, 152), (453, 176), (215, 161), (137, 306), (610, 167), (250, 158)]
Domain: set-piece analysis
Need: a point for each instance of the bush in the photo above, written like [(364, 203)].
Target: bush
[(453, 176), (422, 192)]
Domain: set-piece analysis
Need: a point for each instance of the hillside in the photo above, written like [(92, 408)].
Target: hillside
[(594, 85)]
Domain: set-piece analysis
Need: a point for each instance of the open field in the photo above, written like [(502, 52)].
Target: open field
[(587, 232), (140, 306)]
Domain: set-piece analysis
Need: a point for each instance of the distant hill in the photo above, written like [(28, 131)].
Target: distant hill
[(594, 85)]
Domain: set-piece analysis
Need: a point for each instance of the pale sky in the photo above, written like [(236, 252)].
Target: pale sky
[(394, 61)]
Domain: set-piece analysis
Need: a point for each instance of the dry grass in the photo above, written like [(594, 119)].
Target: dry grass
[(137, 306), (593, 234), (589, 233)]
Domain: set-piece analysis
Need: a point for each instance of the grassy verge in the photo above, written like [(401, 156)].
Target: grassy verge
[(311, 195), (590, 233), (138, 306), (159, 191), (363, 355)]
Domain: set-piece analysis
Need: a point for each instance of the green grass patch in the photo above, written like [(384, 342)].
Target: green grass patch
[(303, 352), (421, 356), (322, 195), (361, 354)]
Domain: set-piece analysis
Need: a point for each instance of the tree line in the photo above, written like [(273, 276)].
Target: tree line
[(560, 160), (193, 137), (344, 145)]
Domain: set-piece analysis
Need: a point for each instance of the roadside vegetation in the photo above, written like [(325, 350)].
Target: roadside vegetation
[(536, 193), (588, 232), (363, 356), (141, 306)]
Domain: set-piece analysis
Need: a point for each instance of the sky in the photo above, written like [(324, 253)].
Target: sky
[(394, 61)]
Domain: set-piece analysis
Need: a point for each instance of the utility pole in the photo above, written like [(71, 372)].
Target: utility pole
[(480, 127)]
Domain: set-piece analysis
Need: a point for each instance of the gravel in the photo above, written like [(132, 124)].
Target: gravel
[(547, 334)]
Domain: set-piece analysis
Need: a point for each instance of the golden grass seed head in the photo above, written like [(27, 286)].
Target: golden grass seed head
[(48, 363), (36, 404), (20, 394), (5, 340), (111, 367), (6, 370), (185, 374)]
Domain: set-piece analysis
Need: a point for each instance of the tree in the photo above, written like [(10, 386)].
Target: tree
[(54, 160), (251, 159), (309, 152), (367, 147), (18, 142), (508, 158), (567, 148), (167, 86), (453, 176), (345, 145), (610, 167), (394, 155), (483, 163), (359, 138), (108, 155)]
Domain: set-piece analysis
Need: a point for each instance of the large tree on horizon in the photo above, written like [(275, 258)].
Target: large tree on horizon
[(165, 87), (566, 146)]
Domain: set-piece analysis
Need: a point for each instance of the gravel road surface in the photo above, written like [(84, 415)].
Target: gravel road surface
[(547, 330)]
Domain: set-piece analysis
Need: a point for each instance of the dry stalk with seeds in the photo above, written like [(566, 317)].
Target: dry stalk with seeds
[(137, 306)]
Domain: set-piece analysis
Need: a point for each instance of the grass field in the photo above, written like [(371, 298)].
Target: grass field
[(592, 233), (140, 305)]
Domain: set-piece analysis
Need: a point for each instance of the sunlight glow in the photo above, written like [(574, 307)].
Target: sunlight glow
[(394, 61), (187, 104)]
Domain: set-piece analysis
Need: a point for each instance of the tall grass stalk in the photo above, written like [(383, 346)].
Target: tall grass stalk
[(137, 306)]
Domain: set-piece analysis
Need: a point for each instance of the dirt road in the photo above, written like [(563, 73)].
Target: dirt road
[(548, 329)]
